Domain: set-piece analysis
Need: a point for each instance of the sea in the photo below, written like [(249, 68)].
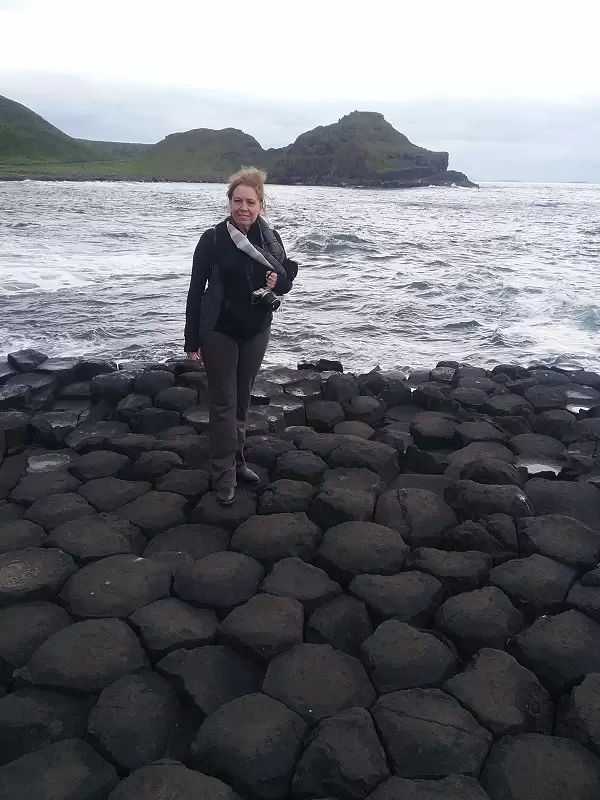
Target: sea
[(395, 279)]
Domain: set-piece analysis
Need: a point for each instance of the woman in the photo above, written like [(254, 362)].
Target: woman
[(228, 322)]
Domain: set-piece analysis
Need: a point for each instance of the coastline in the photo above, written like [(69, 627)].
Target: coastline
[(419, 546)]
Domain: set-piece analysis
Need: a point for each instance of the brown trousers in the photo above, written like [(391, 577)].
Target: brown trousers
[(231, 368)]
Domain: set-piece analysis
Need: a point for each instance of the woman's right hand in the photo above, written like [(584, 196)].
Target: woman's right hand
[(194, 356)]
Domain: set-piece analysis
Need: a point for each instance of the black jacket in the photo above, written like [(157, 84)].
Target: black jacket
[(224, 305)]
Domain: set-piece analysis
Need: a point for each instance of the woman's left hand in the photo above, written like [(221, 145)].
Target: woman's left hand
[(271, 280)]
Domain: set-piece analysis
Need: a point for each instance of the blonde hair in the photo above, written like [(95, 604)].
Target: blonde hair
[(249, 176)]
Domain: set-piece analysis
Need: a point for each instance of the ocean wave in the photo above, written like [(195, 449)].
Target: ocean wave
[(464, 325), (588, 317)]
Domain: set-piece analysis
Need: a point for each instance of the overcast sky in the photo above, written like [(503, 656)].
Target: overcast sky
[(510, 89)]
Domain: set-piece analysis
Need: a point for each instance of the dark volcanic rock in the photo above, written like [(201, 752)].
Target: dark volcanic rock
[(86, 656), (59, 508), (221, 580), (317, 681), (12, 397), (537, 583), (335, 506), (116, 586), (571, 498), (427, 733), (579, 718), (340, 387), (196, 540), (535, 445), (191, 483), (108, 494), (507, 405), (210, 512), (169, 624), (491, 471), (408, 597), (135, 720), (153, 465), (33, 574), (433, 431), (481, 618), (398, 656), (458, 572), (31, 719), (36, 486), (99, 464), (88, 368), (176, 398), (355, 452), (133, 445), (26, 360), (153, 512), (343, 623), (154, 420), (112, 385), (19, 534), (418, 515), (286, 496), (97, 537), (70, 770), (265, 626), (343, 758), (475, 500), (480, 431), (300, 465), (212, 675), (26, 626), (454, 787), (271, 537), (153, 381), (561, 650), (95, 435), (356, 548), (352, 480), (52, 427), (324, 415), (364, 409), (355, 428), (481, 536), (172, 782), (129, 406), (502, 695), (536, 767), (252, 742), (294, 578)]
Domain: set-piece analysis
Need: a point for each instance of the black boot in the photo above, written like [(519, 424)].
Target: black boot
[(247, 475), (226, 496)]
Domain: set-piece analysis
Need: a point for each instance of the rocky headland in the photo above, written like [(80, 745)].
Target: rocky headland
[(407, 607)]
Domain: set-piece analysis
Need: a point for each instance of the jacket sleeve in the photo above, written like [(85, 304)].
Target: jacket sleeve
[(203, 256), (284, 285)]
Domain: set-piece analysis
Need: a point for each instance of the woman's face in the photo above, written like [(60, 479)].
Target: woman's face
[(244, 206)]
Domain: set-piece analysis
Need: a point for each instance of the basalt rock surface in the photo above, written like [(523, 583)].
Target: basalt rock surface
[(407, 605)]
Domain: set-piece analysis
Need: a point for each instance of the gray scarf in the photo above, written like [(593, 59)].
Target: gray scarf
[(271, 255)]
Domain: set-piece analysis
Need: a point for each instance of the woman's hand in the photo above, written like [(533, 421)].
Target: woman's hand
[(194, 356), (271, 279)]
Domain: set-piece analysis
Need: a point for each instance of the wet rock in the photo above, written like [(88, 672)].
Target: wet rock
[(558, 423), (475, 500), (536, 767), (458, 572), (112, 385), (70, 769), (131, 405), (335, 506), (13, 397), (88, 368), (343, 758), (210, 512), (471, 535), (219, 580), (169, 624), (579, 717), (294, 578), (108, 494), (33, 574), (454, 787), (293, 410), (286, 496), (477, 451), (154, 420), (19, 534), (503, 696), (317, 681), (308, 391), (133, 445), (14, 430), (419, 516), (191, 483), (472, 397), (410, 597), (491, 471), (52, 427), (153, 381), (24, 627), (355, 452), (86, 657), (264, 626), (430, 483), (9, 512), (151, 466), (31, 719), (585, 599), (95, 435), (398, 656), (116, 586), (154, 512), (546, 397), (300, 466), (427, 733), (352, 480), (269, 538), (480, 431), (340, 387), (212, 675), (170, 782), (354, 428), (176, 398), (98, 537), (253, 743), (434, 431), (481, 618), (135, 720), (343, 623), (560, 537), (434, 397), (196, 540), (571, 498), (357, 548), (368, 410), (536, 583), (535, 445), (561, 649), (508, 405), (99, 464), (39, 485), (324, 415), (26, 360), (433, 462)]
